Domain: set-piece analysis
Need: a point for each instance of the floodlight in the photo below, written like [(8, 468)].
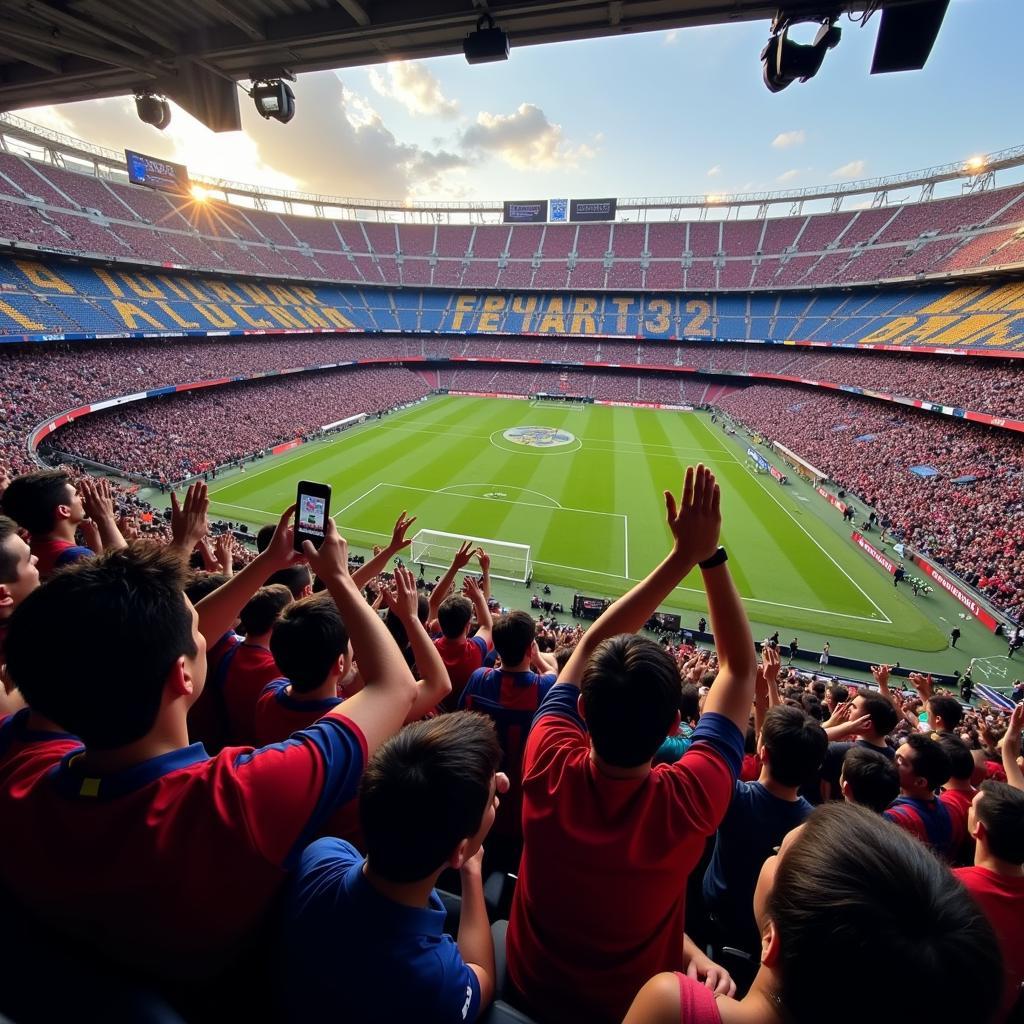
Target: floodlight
[(274, 99), (153, 109), (975, 165), (199, 194), (784, 61), (485, 44)]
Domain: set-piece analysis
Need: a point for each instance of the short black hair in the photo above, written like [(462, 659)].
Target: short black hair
[(308, 639), (424, 791), (630, 690), (689, 703), (961, 763), (8, 559), (848, 874), (884, 717), (796, 745), (513, 635), (454, 615), (200, 583), (562, 656), (873, 778), (264, 535), (948, 709), (124, 616), (295, 577), (31, 498), (262, 610), (840, 694), (1001, 811), (931, 762)]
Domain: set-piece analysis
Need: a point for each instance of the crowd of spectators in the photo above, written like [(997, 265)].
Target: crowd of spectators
[(968, 513), (275, 792)]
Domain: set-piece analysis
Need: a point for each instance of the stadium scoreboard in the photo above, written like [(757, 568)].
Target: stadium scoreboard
[(156, 173)]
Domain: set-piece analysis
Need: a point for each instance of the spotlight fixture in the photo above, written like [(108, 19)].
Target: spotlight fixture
[(784, 61), (274, 99), (153, 109), (486, 44)]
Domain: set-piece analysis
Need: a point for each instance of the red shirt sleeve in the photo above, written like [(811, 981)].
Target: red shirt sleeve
[(286, 791)]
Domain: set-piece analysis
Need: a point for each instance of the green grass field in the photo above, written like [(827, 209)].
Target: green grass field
[(592, 510)]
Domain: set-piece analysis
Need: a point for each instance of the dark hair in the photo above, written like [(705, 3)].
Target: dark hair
[(308, 639), (513, 634), (818, 689), (840, 693), (630, 690), (397, 628), (689, 703), (873, 778), (454, 614), (124, 615), (810, 703), (961, 763), (948, 709), (562, 656), (884, 717), (262, 610), (264, 535), (8, 559), (295, 577), (199, 584), (930, 761), (796, 745), (31, 498), (1001, 811), (424, 791), (849, 874)]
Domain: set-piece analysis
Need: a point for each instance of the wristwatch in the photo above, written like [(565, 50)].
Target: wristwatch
[(716, 559)]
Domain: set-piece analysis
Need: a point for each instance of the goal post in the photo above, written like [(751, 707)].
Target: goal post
[(508, 561)]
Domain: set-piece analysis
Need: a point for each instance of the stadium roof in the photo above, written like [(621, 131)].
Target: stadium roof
[(195, 50)]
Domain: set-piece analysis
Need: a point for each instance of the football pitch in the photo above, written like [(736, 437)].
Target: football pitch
[(582, 486)]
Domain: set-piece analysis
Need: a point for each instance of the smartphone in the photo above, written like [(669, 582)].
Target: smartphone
[(312, 507)]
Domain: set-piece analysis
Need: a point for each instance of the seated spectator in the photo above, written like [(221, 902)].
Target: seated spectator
[(846, 880), (923, 767), (609, 841), (461, 654), (510, 696), (310, 646), (791, 747), (137, 806), (996, 879), (46, 504), (247, 667), (957, 794), (426, 803), (869, 778)]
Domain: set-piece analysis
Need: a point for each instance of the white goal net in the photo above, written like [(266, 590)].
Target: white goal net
[(508, 561)]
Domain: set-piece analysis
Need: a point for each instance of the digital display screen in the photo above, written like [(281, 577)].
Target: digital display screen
[(156, 173), (312, 514), (530, 211)]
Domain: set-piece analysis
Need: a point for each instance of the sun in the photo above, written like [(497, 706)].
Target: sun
[(199, 194)]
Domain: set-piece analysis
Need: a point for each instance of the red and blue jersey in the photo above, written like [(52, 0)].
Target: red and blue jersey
[(55, 554), (600, 903), (928, 820), (207, 721), (237, 683), (26, 750), (279, 714), (461, 658), (170, 864), (511, 700)]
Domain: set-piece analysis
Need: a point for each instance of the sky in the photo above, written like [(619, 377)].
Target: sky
[(655, 114)]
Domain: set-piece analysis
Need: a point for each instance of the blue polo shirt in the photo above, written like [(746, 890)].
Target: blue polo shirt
[(352, 954), (756, 822)]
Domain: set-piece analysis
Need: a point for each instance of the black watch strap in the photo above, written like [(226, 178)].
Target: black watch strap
[(716, 559)]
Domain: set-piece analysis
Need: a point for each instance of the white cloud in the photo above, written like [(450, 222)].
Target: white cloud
[(854, 169), (412, 85), (524, 139), (786, 139), (789, 175), (714, 172)]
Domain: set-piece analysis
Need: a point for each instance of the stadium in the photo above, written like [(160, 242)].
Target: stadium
[(530, 380)]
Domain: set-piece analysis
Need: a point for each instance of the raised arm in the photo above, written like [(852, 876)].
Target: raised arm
[(1011, 748), (440, 592), (471, 589), (770, 662), (694, 521), (376, 565), (485, 571), (383, 704), (98, 499), (434, 683), (188, 520)]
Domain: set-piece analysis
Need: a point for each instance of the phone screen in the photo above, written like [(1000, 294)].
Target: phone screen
[(312, 514), (312, 507)]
